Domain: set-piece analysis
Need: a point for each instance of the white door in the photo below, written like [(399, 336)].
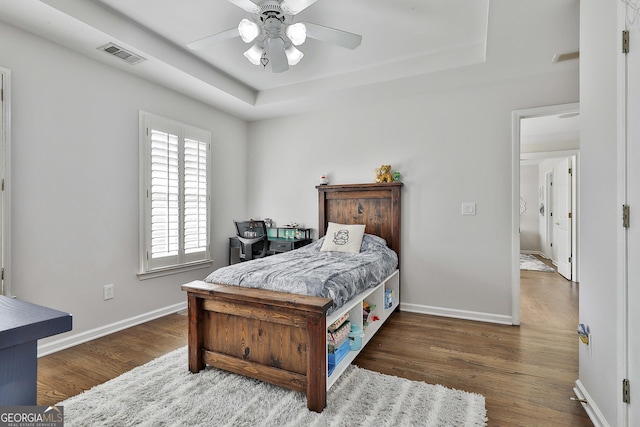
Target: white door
[(548, 218), (633, 232), (3, 130), (562, 216)]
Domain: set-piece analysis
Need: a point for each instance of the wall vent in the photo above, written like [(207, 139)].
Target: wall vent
[(566, 56), (125, 55)]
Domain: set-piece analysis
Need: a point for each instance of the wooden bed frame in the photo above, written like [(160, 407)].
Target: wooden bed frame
[(277, 337)]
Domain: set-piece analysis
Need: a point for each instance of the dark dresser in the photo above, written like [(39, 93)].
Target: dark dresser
[(22, 324)]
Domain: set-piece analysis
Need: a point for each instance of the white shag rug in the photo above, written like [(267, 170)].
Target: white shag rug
[(164, 393), (530, 262)]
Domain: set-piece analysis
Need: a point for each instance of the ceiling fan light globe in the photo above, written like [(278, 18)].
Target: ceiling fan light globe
[(248, 30), (254, 54), (297, 33), (293, 55)]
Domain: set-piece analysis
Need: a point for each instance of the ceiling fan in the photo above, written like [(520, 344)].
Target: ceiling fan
[(274, 34)]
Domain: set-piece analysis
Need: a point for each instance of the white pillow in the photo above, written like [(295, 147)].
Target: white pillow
[(343, 238)]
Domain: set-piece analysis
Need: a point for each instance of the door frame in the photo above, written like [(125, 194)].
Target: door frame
[(5, 174), (624, 326), (516, 116)]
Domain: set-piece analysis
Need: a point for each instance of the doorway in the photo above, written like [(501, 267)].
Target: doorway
[(548, 231), (541, 135)]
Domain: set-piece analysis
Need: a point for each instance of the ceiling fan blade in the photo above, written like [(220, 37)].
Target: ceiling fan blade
[(331, 35), (214, 38), (292, 7), (277, 55), (247, 5)]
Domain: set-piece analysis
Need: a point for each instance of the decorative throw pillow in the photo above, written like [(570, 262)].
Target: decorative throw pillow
[(343, 238)]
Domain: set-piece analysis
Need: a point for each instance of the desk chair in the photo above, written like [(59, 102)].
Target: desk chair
[(253, 239)]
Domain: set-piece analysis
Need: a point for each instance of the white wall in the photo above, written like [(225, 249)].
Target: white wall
[(75, 181), (530, 238), (599, 209), (451, 146)]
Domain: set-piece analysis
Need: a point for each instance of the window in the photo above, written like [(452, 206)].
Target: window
[(175, 203)]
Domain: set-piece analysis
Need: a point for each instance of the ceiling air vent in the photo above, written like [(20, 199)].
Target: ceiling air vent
[(125, 55)]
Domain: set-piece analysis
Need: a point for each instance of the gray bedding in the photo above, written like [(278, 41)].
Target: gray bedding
[(308, 271)]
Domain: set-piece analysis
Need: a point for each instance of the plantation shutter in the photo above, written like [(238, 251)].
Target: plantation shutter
[(195, 196), (176, 201), (165, 194)]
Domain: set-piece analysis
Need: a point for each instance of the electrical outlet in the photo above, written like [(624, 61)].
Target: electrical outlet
[(108, 291), (468, 208)]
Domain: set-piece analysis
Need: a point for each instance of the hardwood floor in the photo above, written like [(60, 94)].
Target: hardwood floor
[(526, 372), (70, 372)]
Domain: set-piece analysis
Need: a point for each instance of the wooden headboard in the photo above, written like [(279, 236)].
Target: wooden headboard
[(377, 206)]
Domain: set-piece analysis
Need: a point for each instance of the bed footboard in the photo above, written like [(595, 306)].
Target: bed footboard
[(271, 336)]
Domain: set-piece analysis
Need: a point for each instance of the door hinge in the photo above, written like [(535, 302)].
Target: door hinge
[(2, 274), (626, 391), (570, 215), (570, 171), (625, 216), (570, 260), (2, 189), (625, 41)]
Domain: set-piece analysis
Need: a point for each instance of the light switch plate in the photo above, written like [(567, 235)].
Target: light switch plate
[(468, 208)]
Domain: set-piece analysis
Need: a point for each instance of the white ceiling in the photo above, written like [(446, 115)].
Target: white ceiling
[(402, 30), (399, 39), (402, 40), (554, 128)]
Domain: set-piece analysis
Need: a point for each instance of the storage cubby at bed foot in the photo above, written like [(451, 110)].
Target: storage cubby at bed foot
[(339, 326), (338, 341), (384, 305), (370, 309), (362, 327), (392, 292)]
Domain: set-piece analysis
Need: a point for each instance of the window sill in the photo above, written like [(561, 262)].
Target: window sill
[(166, 271)]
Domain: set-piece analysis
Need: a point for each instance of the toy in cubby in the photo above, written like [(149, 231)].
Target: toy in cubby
[(368, 315), (389, 296), (338, 341), (355, 337)]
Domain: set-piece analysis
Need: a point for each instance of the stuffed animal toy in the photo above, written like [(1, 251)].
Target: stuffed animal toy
[(383, 174)]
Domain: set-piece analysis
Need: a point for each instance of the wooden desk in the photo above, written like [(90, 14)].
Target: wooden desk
[(276, 245), (22, 324)]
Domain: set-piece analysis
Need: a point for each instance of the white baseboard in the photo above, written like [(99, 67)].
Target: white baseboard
[(590, 407), (457, 314), (72, 340)]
